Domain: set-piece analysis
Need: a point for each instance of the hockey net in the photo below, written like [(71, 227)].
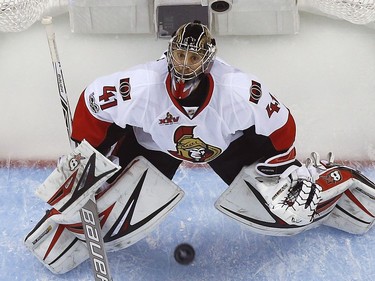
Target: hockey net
[(354, 11), (18, 15)]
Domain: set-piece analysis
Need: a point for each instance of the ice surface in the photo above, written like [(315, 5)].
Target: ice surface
[(225, 250)]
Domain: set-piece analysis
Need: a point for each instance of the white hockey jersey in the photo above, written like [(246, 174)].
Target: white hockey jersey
[(141, 97)]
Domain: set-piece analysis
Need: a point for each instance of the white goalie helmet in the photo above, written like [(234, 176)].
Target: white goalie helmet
[(190, 54)]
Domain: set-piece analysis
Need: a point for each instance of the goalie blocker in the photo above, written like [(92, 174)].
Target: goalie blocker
[(345, 200), (129, 208)]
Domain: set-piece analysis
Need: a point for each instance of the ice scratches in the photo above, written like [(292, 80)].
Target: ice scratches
[(225, 250), (351, 258), (152, 242), (371, 151)]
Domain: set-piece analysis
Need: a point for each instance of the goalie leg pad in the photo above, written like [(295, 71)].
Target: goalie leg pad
[(135, 204), (129, 209), (55, 246), (355, 211)]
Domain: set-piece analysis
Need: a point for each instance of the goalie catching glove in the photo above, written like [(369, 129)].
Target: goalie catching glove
[(296, 196), (296, 204)]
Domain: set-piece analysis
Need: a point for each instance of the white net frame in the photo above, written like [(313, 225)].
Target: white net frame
[(354, 11)]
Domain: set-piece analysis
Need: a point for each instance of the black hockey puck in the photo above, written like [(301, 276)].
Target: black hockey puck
[(184, 254)]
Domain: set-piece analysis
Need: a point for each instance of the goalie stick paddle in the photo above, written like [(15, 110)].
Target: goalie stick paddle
[(89, 212)]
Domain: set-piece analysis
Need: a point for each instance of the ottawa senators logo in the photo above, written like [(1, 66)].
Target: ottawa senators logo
[(255, 91), (191, 148), (125, 89)]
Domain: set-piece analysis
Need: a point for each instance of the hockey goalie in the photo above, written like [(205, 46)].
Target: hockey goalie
[(188, 106)]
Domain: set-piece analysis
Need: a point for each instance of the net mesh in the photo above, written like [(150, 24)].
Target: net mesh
[(18, 15), (354, 11)]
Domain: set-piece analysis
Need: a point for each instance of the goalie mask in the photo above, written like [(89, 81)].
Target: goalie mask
[(191, 52)]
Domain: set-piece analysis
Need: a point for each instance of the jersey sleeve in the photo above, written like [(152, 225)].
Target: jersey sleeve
[(274, 120), (87, 126), (255, 105), (95, 111), (272, 123)]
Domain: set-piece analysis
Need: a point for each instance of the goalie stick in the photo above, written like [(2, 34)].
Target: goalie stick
[(94, 240), (89, 212), (47, 22)]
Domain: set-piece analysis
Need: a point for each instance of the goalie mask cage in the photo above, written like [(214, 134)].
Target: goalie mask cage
[(227, 15)]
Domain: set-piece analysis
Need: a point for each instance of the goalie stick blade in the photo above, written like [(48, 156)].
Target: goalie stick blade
[(94, 241)]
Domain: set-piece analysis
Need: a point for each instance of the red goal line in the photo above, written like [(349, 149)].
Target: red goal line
[(27, 163)]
